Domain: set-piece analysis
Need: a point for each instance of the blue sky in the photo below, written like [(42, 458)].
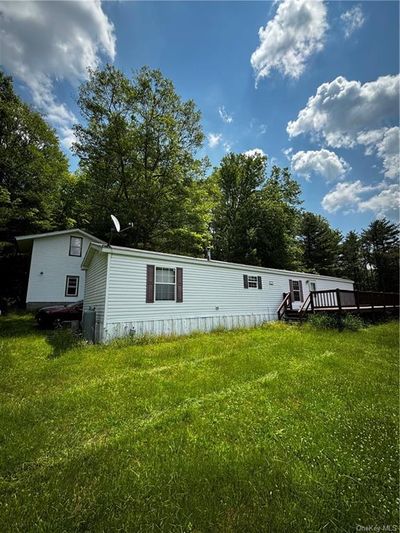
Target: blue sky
[(342, 148)]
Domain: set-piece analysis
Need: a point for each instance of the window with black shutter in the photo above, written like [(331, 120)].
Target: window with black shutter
[(252, 282), (296, 290), (164, 284)]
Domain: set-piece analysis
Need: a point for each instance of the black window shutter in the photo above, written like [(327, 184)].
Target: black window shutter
[(245, 281), (150, 284), (301, 291), (259, 279), (179, 285), (291, 288)]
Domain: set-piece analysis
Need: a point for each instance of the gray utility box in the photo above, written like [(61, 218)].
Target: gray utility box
[(89, 325)]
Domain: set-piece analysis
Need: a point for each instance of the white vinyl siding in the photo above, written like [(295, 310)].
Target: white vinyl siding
[(96, 284), (50, 265), (213, 295)]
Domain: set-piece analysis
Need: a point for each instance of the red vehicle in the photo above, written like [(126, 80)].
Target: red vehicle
[(53, 316)]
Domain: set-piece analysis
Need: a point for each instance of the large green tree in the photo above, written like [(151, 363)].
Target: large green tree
[(255, 215), (137, 151), (238, 179), (320, 245), (352, 262), (381, 248), (279, 221), (32, 168)]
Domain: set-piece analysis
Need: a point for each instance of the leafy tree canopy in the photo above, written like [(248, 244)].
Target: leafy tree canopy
[(32, 168), (137, 154), (254, 215)]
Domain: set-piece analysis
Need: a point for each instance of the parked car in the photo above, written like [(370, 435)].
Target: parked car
[(53, 316)]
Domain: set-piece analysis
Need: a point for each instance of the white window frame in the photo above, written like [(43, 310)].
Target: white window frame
[(314, 285), (164, 283), (252, 282), (71, 247), (67, 280)]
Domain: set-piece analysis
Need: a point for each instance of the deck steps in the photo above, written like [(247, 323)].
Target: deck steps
[(292, 316)]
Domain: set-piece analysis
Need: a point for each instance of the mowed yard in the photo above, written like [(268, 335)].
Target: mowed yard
[(277, 429)]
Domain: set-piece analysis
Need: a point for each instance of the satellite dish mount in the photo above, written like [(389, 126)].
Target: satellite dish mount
[(117, 228)]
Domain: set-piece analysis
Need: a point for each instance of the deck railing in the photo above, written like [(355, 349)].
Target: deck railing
[(285, 305), (345, 299), (338, 300)]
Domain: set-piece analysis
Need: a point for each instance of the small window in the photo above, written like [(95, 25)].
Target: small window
[(296, 291), (253, 282), (72, 286), (75, 246), (165, 283), (312, 286)]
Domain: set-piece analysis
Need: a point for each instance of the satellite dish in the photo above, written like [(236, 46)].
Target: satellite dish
[(116, 223)]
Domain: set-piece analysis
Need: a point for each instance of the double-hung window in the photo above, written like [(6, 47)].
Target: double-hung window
[(75, 246), (72, 286), (165, 283), (253, 282)]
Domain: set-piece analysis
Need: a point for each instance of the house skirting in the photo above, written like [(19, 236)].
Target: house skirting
[(183, 326)]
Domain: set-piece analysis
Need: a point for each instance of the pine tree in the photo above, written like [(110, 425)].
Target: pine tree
[(320, 245), (381, 248)]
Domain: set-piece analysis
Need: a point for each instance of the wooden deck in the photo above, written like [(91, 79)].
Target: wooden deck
[(340, 301)]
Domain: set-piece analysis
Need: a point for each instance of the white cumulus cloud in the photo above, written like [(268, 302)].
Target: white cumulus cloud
[(44, 42), (345, 195), (289, 39), (342, 109), (214, 139), (319, 163), (385, 203), (386, 143), (348, 113), (225, 116), (352, 20), (254, 152), (356, 197)]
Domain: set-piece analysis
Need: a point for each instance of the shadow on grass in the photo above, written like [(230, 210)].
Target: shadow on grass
[(62, 340)]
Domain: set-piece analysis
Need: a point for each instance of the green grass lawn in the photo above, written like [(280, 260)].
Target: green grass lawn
[(278, 429)]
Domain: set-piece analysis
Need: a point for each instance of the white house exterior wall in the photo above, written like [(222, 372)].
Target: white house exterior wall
[(95, 291), (50, 265), (213, 296)]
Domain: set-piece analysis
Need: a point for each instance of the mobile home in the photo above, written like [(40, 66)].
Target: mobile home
[(130, 291)]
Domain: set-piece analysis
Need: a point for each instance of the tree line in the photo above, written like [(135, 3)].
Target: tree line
[(137, 147)]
